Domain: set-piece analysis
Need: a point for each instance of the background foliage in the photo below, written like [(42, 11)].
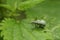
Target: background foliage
[(16, 17)]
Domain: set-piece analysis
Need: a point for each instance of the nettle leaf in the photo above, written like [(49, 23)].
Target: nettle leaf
[(14, 3), (7, 6), (11, 4), (28, 4), (11, 30), (56, 32), (52, 16), (23, 31)]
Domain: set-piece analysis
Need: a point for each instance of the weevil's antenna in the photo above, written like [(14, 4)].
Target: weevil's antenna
[(43, 17), (36, 18)]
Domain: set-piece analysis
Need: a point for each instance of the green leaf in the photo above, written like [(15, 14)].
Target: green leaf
[(55, 30), (28, 4), (14, 3), (23, 31), (11, 30), (50, 9), (7, 6), (11, 4)]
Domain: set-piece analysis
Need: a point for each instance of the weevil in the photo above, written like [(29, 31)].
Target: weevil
[(39, 23)]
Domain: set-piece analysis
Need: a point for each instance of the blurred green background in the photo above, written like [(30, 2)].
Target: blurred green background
[(23, 31)]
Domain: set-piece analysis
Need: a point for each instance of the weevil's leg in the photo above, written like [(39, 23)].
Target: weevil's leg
[(42, 26), (35, 25), (39, 25)]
